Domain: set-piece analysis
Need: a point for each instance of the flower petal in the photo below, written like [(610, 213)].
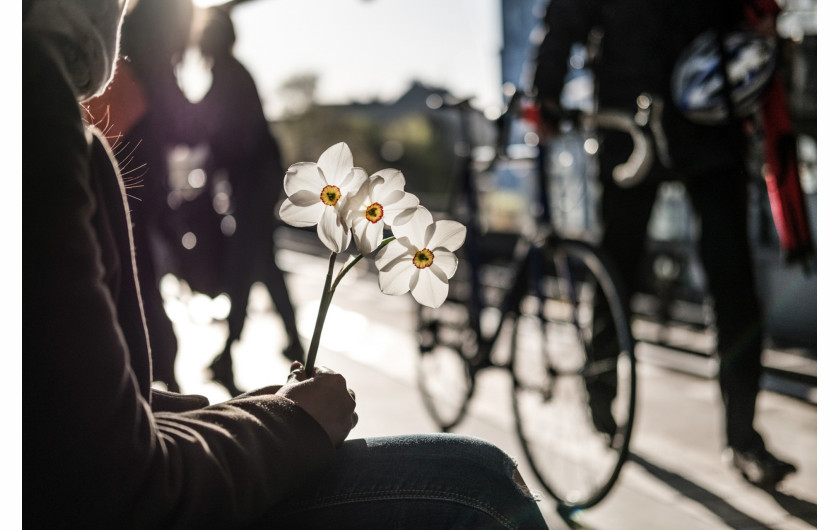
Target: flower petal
[(353, 204), (429, 288), (305, 198), (400, 211), (415, 230), (332, 231), (448, 234), (297, 215), (392, 179), (336, 163), (447, 262), (367, 235), (353, 181), (303, 176), (396, 277), (397, 249)]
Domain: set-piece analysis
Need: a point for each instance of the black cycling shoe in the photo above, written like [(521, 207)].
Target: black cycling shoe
[(760, 467), (294, 351)]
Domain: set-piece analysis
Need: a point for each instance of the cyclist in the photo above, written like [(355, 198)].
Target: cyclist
[(640, 41)]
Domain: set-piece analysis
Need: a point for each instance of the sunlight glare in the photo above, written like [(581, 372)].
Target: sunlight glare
[(343, 329)]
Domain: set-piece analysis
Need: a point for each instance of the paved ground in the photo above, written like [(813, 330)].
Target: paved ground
[(676, 478)]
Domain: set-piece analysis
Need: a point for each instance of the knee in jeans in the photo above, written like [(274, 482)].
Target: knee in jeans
[(485, 453)]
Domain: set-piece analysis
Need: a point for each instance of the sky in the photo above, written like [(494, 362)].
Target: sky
[(369, 49)]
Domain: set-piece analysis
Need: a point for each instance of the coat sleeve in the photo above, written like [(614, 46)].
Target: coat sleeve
[(95, 455)]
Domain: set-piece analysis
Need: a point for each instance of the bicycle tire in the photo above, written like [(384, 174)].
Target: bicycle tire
[(445, 375), (562, 424)]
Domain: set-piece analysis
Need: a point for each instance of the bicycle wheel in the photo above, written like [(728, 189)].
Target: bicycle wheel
[(574, 384), (444, 371)]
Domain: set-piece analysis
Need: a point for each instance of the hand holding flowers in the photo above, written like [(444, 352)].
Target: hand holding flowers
[(344, 202)]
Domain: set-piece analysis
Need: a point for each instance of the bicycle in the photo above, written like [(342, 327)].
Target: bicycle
[(574, 407)]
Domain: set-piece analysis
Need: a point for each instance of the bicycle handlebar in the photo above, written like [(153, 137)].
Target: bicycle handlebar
[(626, 174), (638, 164)]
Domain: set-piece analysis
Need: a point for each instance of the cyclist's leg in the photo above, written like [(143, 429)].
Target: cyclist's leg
[(721, 202), (624, 213), (416, 481)]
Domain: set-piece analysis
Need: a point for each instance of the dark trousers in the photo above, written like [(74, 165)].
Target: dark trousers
[(719, 199), (250, 258)]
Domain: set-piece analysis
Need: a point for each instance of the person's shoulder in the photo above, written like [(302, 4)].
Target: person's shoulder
[(236, 68)]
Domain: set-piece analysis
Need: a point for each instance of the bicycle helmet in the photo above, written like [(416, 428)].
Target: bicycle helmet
[(697, 85)]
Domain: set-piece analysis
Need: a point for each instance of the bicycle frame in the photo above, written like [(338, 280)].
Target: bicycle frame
[(555, 291), (525, 255)]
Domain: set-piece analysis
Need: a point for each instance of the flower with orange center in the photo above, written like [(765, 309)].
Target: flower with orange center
[(421, 259), (381, 198), (373, 213), (317, 192), (330, 195)]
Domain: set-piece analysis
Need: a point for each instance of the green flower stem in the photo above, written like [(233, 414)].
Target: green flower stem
[(355, 260), (326, 298)]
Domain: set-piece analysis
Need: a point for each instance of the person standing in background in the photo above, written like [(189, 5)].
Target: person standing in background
[(243, 147)]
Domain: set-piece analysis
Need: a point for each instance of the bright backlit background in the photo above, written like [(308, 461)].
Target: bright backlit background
[(363, 50)]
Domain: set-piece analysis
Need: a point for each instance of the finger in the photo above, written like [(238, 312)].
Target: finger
[(323, 370), (297, 365), (298, 374), (355, 419), (352, 394)]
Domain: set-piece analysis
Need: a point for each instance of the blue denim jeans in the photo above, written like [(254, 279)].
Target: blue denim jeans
[(417, 481)]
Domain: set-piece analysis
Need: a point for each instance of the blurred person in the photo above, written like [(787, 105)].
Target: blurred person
[(144, 114), (640, 42), (243, 147), (101, 448)]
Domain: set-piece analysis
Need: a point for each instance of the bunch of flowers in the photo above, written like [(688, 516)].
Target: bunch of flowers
[(345, 203)]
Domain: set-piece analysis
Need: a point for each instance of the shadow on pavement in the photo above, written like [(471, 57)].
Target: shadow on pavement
[(728, 514), (799, 508)]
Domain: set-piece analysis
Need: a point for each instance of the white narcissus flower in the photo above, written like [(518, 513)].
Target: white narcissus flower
[(380, 202), (317, 192), (421, 259)]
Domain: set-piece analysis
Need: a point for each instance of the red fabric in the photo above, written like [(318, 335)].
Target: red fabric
[(787, 201), (756, 10)]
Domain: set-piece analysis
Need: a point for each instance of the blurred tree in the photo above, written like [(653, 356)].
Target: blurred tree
[(298, 92), (406, 134)]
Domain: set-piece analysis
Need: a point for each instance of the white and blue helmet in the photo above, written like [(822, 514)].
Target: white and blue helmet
[(697, 83)]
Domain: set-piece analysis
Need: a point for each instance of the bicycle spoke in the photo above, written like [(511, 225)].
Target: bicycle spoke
[(573, 405), (444, 373)]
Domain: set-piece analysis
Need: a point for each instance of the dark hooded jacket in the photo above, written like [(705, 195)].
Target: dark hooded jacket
[(100, 448)]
